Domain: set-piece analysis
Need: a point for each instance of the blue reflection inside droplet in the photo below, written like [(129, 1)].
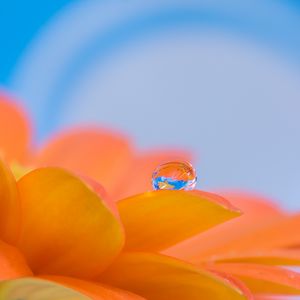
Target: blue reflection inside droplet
[(168, 183), (174, 176)]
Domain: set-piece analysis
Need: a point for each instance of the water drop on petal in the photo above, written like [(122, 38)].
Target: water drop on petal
[(174, 176)]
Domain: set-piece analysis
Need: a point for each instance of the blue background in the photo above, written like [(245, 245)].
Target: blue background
[(20, 21)]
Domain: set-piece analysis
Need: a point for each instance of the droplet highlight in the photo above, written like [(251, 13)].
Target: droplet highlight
[(174, 176)]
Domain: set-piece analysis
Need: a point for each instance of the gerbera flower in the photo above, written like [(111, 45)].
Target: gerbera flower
[(60, 231), (68, 233), (104, 155)]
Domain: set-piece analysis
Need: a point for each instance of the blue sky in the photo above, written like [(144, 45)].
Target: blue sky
[(19, 22)]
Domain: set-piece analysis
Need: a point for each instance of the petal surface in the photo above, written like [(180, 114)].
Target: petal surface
[(283, 233), (138, 177), (258, 213), (270, 297), (99, 154), (281, 257), (67, 229), (94, 290), (158, 277), (14, 130), (12, 263), (9, 205), (37, 289), (159, 219), (264, 279)]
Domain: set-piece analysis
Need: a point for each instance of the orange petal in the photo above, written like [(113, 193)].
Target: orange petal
[(268, 257), (235, 282), (9, 205), (138, 177), (282, 233), (96, 153), (257, 213), (94, 290), (14, 130), (158, 277), (67, 229), (156, 220), (263, 297), (12, 263), (263, 279), (253, 204), (34, 289)]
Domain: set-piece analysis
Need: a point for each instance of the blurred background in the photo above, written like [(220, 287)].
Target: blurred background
[(221, 78)]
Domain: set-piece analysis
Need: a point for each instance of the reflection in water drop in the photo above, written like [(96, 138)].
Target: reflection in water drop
[(174, 176)]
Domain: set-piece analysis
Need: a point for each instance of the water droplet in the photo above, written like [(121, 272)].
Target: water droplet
[(174, 176)]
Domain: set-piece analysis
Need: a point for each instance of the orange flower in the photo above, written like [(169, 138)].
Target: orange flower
[(103, 155), (63, 238), (69, 234)]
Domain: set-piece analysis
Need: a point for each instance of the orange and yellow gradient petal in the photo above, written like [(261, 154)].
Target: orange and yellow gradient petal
[(157, 220), (160, 277), (66, 228)]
